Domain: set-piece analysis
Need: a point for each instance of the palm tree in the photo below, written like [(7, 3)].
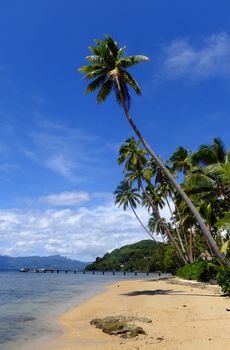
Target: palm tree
[(210, 154), (155, 226), (135, 158), (181, 160), (108, 69), (166, 192), (127, 196)]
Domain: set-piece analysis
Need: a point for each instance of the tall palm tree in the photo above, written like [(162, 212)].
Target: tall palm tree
[(135, 168), (166, 192), (127, 196), (108, 69)]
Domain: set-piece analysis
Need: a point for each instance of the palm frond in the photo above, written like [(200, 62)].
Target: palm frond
[(104, 91), (95, 84), (95, 59), (126, 62), (219, 148), (109, 60), (132, 82), (224, 223)]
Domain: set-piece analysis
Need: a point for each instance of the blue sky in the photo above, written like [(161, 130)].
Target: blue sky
[(58, 148)]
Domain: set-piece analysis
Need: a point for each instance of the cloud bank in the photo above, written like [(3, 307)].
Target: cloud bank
[(82, 233), (207, 59)]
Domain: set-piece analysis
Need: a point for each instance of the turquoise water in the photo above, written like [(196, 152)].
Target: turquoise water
[(31, 302)]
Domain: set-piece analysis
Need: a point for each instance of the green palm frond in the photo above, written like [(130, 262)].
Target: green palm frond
[(224, 223), (130, 61), (221, 171), (104, 91), (109, 60), (225, 247), (132, 82), (92, 71), (122, 92), (199, 181), (95, 84), (95, 59), (227, 160), (133, 154), (125, 195), (210, 154)]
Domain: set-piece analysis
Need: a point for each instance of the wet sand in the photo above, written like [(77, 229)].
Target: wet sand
[(185, 316)]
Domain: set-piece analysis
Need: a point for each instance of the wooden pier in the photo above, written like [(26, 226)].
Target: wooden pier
[(93, 272)]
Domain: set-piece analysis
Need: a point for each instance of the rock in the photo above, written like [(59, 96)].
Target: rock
[(119, 325)]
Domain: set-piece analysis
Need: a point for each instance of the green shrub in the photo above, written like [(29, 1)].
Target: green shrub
[(223, 279), (199, 271)]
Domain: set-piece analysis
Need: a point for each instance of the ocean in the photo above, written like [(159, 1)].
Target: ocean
[(30, 303)]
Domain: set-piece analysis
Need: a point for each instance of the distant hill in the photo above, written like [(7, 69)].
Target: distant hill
[(54, 261), (143, 256)]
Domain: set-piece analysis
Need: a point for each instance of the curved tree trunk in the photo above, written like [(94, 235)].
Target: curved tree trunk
[(134, 211), (172, 180), (164, 226), (190, 244), (181, 224), (176, 227)]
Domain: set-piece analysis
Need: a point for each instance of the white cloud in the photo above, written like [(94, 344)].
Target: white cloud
[(66, 198), (63, 165), (66, 151), (81, 233), (205, 60)]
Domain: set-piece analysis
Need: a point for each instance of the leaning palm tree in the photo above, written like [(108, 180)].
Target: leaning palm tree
[(136, 171), (108, 69), (127, 196)]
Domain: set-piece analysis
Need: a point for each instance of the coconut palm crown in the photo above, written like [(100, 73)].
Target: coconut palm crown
[(108, 69)]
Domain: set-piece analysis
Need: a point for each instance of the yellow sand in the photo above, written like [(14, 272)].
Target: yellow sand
[(185, 316)]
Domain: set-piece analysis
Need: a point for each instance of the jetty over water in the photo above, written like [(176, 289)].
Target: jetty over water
[(113, 272)]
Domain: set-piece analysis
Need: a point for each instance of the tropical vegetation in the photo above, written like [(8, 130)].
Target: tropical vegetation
[(205, 177), (143, 256), (107, 68)]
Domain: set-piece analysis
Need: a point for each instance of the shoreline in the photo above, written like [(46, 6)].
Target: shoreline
[(185, 315)]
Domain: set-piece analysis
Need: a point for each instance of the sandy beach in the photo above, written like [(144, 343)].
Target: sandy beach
[(185, 315)]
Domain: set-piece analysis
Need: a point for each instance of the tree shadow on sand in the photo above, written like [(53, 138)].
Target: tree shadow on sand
[(166, 292)]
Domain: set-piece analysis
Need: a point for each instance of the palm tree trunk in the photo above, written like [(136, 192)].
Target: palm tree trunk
[(164, 226), (190, 244), (176, 228), (134, 211), (181, 223), (172, 180)]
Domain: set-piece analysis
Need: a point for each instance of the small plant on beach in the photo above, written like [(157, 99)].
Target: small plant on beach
[(223, 279)]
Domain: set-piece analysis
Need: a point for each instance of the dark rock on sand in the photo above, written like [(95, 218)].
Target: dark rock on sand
[(119, 325)]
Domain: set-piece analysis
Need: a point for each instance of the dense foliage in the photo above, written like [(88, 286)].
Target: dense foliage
[(198, 271), (205, 177), (223, 279), (143, 256)]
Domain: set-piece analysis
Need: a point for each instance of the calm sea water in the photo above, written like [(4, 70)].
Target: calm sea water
[(31, 302)]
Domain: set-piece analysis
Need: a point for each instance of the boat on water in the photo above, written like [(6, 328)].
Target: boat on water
[(24, 269)]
